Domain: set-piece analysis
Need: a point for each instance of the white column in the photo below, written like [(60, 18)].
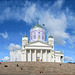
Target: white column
[(46, 56), (35, 56), (30, 55), (41, 56), (54, 57)]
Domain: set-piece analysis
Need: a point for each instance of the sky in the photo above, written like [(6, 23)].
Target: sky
[(17, 17)]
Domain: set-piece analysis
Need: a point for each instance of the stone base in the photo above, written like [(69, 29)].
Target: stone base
[(35, 68)]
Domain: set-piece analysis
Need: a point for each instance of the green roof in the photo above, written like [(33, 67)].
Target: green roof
[(25, 35), (37, 25), (50, 36)]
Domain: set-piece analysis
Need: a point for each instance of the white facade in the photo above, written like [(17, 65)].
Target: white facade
[(37, 50)]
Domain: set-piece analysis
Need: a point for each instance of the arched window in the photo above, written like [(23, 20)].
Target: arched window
[(34, 32), (34, 36), (42, 37), (39, 36), (38, 32), (31, 37)]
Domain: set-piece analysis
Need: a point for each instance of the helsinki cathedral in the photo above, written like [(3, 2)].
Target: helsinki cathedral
[(37, 49)]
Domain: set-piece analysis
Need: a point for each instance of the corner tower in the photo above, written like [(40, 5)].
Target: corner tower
[(51, 41), (37, 33), (24, 41)]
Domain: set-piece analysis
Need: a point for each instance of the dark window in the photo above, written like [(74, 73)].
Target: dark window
[(34, 36), (42, 33), (61, 57), (39, 36), (31, 37), (31, 33), (34, 32), (38, 32), (42, 37)]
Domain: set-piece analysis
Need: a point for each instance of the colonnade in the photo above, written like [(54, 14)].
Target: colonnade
[(37, 55)]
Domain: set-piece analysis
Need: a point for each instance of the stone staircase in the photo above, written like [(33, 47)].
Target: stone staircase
[(36, 68)]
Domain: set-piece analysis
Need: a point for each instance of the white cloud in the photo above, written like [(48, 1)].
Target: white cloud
[(71, 41), (4, 35), (55, 23), (55, 19), (14, 47), (56, 27), (30, 14), (67, 58), (58, 3), (6, 58)]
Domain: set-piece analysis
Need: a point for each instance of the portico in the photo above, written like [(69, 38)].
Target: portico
[(36, 55)]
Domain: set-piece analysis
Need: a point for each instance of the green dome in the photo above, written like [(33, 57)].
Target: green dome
[(50, 36), (25, 35), (37, 25)]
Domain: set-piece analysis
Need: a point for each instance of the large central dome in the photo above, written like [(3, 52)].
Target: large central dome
[(37, 33)]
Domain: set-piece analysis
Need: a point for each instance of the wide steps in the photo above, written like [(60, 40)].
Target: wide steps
[(36, 67)]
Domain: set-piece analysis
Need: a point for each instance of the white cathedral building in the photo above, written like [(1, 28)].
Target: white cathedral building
[(37, 49)]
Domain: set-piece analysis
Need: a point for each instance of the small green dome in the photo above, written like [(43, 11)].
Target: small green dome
[(50, 36), (37, 25), (25, 35)]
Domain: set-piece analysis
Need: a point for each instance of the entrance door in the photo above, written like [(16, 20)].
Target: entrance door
[(38, 55), (38, 59)]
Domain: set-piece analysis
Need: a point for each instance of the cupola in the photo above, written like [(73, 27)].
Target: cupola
[(51, 41), (37, 33), (24, 41)]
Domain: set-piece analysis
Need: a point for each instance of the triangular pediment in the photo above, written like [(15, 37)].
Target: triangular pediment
[(38, 43)]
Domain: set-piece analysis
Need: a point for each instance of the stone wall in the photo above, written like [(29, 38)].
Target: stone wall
[(36, 68)]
